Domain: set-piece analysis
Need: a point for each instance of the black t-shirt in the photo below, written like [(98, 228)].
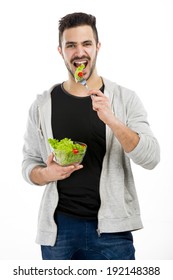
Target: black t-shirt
[(73, 117)]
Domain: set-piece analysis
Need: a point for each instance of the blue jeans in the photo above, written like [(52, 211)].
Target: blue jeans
[(78, 239)]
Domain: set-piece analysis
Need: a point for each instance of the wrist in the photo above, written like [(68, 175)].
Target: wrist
[(113, 123), (39, 175)]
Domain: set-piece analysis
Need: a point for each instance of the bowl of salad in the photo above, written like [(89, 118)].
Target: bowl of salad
[(67, 152)]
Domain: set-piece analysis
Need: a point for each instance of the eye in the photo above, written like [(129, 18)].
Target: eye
[(88, 43), (70, 46)]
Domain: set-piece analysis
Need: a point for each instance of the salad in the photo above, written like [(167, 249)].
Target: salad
[(79, 73), (67, 151)]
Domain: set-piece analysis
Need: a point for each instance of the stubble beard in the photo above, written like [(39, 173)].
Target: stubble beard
[(91, 70)]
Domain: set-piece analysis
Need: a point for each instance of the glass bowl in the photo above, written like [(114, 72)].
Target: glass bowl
[(72, 155)]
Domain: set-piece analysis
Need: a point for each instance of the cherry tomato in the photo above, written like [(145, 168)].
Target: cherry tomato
[(80, 74), (75, 151)]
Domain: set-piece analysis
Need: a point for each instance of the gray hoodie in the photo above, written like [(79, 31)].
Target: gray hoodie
[(119, 210)]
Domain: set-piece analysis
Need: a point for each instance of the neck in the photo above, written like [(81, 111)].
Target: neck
[(79, 90)]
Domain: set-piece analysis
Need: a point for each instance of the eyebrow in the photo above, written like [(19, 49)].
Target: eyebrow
[(72, 42)]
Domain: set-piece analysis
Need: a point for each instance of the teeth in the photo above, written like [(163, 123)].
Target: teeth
[(78, 63)]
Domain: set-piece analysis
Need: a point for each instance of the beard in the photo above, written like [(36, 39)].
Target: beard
[(91, 69)]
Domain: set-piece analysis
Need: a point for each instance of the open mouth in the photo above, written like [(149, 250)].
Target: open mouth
[(77, 63)]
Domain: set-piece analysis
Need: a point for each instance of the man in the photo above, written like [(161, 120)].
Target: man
[(89, 210)]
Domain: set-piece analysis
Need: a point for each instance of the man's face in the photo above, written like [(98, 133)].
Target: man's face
[(79, 47)]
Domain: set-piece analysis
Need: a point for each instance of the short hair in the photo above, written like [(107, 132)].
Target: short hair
[(77, 19)]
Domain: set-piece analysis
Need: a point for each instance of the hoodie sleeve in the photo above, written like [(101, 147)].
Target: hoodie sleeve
[(147, 152), (32, 155)]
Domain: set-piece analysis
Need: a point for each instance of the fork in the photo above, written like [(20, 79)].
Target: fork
[(84, 83)]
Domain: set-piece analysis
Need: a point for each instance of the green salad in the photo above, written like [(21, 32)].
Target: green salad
[(79, 73), (67, 151)]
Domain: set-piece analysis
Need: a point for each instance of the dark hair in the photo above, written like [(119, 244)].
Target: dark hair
[(77, 19)]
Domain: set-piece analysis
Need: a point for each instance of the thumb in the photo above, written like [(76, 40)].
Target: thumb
[(50, 159)]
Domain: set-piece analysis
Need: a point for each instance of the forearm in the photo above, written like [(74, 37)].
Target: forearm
[(38, 175), (126, 137)]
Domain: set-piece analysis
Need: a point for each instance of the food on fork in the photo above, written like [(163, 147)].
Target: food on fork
[(78, 75)]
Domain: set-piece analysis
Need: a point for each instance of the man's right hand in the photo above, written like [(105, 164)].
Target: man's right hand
[(52, 172)]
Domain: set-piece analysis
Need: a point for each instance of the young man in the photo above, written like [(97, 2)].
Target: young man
[(88, 211)]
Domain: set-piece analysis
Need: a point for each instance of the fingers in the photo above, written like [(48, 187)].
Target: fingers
[(94, 92), (68, 170), (56, 172), (100, 102)]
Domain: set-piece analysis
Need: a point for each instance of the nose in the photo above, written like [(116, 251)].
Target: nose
[(80, 50)]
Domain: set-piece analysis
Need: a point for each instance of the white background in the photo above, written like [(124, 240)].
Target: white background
[(137, 43)]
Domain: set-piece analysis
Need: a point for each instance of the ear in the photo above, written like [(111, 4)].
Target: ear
[(98, 46), (59, 50)]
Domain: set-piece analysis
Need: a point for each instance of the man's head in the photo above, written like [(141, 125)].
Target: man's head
[(77, 19), (78, 42)]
